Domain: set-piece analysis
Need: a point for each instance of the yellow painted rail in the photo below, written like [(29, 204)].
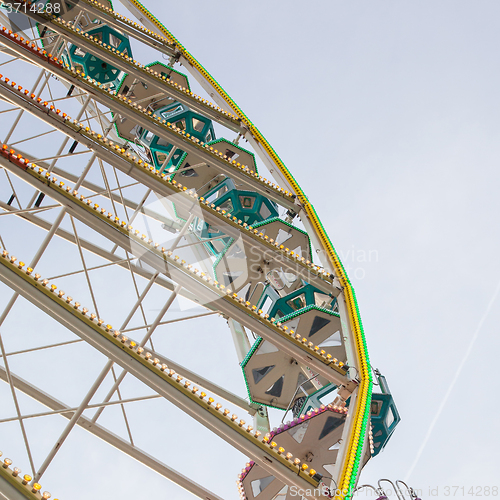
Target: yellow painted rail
[(362, 405)]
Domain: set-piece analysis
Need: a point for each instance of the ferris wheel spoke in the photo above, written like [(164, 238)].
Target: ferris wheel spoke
[(30, 210), (122, 407), (73, 421), (85, 213), (61, 156), (107, 368), (33, 89), (16, 403), (109, 437), (141, 118), (84, 265), (117, 402), (47, 460), (43, 246), (49, 346), (153, 208), (14, 194), (112, 18), (25, 140), (100, 252), (9, 110), (145, 339), (124, 63), (10, 61), (180, 394)]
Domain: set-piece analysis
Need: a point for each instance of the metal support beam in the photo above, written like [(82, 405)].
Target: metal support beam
[(16, 404), (135, 32), (164, 189), (110, 438), (101, 252), (88, 407), (150, 376), (262, 153), (147, 336), (136, 116), (127, 67), (205, 294)]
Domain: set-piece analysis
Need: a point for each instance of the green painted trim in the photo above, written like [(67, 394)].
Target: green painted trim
[(355, 316), (251, 351), (244, 363), (306, 402), (222, 139), (171, 69), (178, 166), (290, 316), (273, 219)]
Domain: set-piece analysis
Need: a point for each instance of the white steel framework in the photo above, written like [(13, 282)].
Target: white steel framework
[(142, 279)]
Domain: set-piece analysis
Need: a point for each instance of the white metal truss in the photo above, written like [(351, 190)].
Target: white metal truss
[(119, 272)]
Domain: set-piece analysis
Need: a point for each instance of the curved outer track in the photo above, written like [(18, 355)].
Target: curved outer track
[(359, 429), (360, 400)]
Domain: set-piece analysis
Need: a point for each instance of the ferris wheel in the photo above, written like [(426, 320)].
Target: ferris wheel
[(137, 198)]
